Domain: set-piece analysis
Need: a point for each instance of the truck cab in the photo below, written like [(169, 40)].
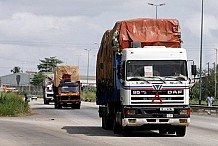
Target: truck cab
[(68, 95), (154, 91), (48, 93)]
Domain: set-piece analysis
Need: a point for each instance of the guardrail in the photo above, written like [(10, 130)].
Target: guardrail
[(214, 109)]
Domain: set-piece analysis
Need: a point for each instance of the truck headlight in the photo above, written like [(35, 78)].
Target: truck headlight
[(184, 111), (130, 112)]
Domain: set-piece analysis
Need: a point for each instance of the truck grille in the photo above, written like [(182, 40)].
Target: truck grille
[(152, 100), (49, 95), (158, 94), (69, 97)]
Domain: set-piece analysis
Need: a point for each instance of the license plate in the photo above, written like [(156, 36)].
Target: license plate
[(169, 115), (166, 109)]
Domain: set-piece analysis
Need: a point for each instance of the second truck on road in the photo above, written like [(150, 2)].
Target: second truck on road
[(67, 87)]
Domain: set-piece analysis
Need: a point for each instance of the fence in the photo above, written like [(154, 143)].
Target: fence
[(204, 107), (29, 89)]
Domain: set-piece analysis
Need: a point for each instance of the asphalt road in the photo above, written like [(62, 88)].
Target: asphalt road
[(82, 127)]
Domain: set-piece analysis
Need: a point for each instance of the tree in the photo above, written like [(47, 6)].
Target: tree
[(48, 64), (207, 85), (38, 79), (16, 69)]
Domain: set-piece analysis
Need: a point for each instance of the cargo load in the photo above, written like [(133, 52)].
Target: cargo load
[(73, 71)]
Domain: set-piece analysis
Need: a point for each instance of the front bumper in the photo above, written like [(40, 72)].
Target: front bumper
[(165, 115), (155, 121)]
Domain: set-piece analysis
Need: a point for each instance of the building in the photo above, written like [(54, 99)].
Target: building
[(21, 81), (17, 79), (91, 81)]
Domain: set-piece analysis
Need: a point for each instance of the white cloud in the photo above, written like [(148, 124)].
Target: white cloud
[(33, 30)]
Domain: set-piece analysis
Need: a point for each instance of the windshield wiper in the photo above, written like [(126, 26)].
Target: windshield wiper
[(138, 79), (156, 77), (176, 78)]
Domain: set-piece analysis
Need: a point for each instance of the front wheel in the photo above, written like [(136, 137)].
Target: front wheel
[(117, 123), (162, 131), (180, 131), (127, 131), (76, 106), (57, 106), (106, 121)]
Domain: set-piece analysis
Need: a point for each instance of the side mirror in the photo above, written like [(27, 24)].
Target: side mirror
[(193, 70)]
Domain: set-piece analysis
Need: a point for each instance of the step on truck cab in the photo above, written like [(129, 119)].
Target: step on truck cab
[(142, 78)]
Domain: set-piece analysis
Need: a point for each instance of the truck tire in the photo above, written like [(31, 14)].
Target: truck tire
[(57, 106), (46, 102), (127, 131), (106, 121), (180, 131), (162, 131), (75, 106), (117, 123)]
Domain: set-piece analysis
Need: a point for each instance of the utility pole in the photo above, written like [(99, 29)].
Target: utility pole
[(208, 69), (215, 70), (88, 66), (200, 81)]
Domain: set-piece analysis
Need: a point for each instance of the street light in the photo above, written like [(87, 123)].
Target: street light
[(156, 6), (88, 66), (78, 59)]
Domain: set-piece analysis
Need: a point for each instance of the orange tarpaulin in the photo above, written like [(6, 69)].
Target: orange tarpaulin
[(148, 31)]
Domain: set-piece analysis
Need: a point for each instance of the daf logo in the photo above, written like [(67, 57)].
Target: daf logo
[(174, 92)]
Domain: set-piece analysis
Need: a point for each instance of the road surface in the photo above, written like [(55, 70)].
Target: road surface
[(82, 127)]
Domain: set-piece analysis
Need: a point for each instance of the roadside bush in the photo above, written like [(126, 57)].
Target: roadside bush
[(88, 93), (12, 104), (88, 96)]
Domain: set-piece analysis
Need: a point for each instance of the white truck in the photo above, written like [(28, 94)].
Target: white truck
[(145, 85), (48, 89)]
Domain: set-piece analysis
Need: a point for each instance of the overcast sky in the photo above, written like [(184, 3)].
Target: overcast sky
[(31, 30)]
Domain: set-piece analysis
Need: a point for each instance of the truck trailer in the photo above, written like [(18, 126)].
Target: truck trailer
[(67, 87), (142, 77)]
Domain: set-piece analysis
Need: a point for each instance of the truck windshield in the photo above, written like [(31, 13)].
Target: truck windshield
[(152, 68), (68, 89)]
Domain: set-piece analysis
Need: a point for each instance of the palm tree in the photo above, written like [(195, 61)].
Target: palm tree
[(16, 69)]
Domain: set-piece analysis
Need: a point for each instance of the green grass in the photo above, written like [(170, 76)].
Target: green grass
[(88, 96), (12, 104)]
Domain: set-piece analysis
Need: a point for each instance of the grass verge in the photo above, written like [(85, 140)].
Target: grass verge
[(12, 104), (88, 96)]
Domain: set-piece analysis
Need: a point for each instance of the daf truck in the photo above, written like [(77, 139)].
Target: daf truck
[(142, 77)]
